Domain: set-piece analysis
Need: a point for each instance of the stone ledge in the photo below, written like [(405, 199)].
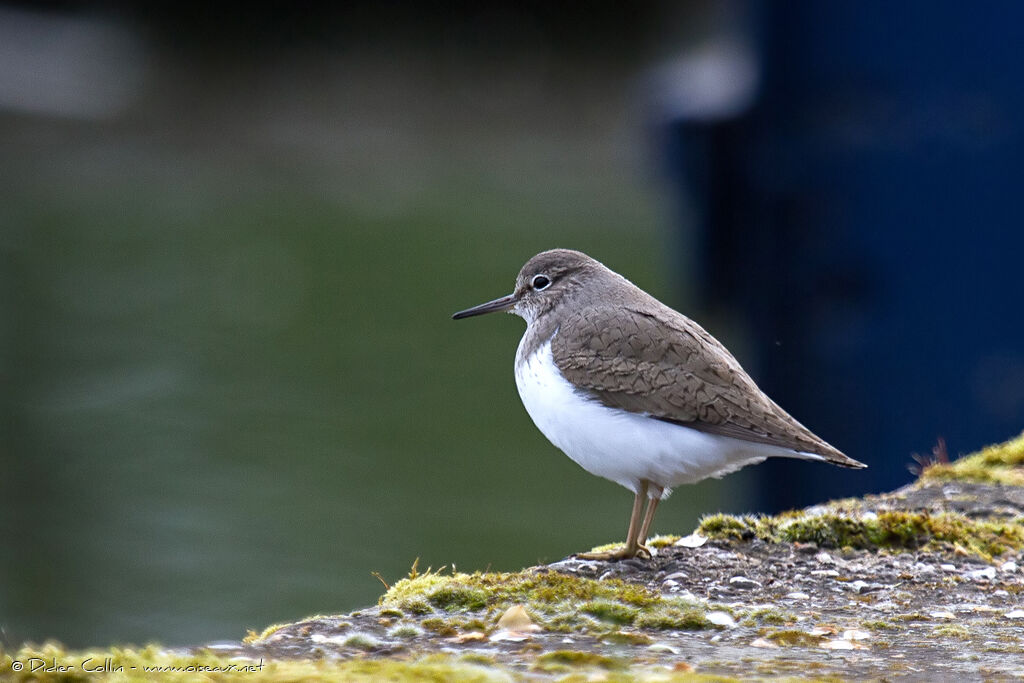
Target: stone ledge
[(921, 583)]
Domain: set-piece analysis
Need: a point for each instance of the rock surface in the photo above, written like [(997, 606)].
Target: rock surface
[(757, 608), (925, 583)]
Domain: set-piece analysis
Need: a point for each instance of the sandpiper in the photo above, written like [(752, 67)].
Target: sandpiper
[(634, 391)]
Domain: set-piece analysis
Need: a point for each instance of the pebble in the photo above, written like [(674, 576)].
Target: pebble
[(743, 583), (797, 596), (976, 608), (947, 567), (677, 576), (694, 540), (515, 625), (719, 618), (516, 618), (572, 565), (508, 636), (670, 585), (988, 573), (663, 647), (863, 587), (1008, 567), (825, 572), (825, 558), (838, 645), (942, 615), (359, 639), (1015, 614)]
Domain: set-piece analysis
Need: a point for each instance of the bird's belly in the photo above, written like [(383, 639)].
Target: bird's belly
[(622, 446)]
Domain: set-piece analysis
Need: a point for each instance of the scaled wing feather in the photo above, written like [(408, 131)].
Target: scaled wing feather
[(662, 364)]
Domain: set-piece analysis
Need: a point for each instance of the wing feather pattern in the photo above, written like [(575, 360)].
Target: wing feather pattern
[(661, 363)]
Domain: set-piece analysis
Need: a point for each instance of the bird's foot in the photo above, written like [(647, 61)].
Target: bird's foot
[(623, 552)]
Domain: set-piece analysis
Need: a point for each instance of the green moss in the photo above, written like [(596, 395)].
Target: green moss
[(498, 591), (253, 637), (913, 616), (561, 660), (662, 540), (606, 547), (417, 607), (888, 529), (558, 602), (674, 618), (474, 625), (362, 641), (654, 674), (614, 612), (626, 638), (879, 625), (405, 631), (999, 464), (728, 527), (952, 631), (768, 615), (506, 589), (439, 626), (844, 524), (793, 638), (457, 597)]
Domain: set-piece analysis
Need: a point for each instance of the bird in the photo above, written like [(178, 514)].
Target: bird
[(636, 392)]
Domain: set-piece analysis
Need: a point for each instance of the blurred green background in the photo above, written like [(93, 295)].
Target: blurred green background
[(232, 388), (231, 241)]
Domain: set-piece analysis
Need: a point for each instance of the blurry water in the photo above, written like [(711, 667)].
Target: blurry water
[(231, 388)]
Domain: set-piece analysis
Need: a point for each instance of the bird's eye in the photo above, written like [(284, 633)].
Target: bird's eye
[(541, 282)]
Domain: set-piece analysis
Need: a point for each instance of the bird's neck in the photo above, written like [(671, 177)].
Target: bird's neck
[(538, 331)]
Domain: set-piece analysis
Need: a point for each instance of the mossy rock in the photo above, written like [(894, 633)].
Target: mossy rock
[(999, 464)]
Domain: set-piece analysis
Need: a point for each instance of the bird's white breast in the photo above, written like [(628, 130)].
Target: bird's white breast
[(622, 446)]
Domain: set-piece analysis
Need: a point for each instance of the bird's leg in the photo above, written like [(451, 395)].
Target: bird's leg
[(652, 506), (633, 547), (634, 518)]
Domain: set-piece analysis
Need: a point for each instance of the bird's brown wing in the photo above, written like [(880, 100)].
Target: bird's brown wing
[(659, 363)]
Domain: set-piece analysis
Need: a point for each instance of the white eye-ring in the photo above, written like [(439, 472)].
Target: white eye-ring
[(541, 282)]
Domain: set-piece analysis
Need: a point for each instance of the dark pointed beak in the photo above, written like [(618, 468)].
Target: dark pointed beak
[(502, 304)]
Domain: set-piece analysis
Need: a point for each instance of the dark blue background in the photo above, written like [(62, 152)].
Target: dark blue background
[(863, 217)]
